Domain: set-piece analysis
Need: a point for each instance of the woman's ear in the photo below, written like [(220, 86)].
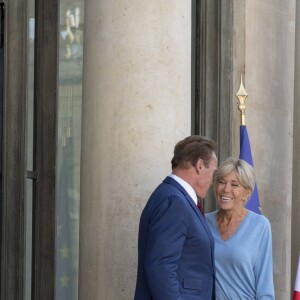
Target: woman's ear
[(248, 194)]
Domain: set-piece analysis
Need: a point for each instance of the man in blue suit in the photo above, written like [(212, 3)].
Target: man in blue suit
[(175, 246)]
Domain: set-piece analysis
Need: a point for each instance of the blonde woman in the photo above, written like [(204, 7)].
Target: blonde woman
[(243, 241)]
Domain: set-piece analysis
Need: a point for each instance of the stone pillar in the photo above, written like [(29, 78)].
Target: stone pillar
[(136, 105), (296, 158), (269, 81)]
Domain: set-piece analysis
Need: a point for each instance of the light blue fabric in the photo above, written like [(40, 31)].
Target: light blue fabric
[(243, 263)]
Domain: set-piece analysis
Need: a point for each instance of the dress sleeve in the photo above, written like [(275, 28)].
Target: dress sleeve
[(264, 266)]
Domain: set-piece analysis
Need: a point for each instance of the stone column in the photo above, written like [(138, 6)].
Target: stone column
[(296, 158), (136, 105), (269, 81)]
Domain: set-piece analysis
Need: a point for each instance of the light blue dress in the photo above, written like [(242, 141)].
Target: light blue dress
[(243, 263)]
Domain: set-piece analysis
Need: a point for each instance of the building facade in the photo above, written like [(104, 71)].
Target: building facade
[(94, 96)]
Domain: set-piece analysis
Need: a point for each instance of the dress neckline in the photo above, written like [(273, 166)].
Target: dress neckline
[(235, 232)]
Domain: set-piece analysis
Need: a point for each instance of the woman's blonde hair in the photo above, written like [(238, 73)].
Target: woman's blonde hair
[(244, 172)]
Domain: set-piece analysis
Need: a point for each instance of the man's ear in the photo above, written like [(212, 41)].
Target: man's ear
[(199, 164)]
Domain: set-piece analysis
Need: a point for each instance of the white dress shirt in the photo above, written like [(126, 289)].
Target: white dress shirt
[(186, 186)]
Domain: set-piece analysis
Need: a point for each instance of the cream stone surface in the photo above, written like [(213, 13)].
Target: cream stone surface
[(136, 106), (269, 72), (296, 158)]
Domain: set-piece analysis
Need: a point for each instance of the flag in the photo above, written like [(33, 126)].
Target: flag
[(296, 295), (245, 154)]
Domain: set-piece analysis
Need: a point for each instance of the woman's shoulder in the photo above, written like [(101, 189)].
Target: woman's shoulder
[(258, 219), (211, 216)]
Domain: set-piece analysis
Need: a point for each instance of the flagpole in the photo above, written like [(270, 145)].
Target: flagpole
[(245, 149), (242, 95)]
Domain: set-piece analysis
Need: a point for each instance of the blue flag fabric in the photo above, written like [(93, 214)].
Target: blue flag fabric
[(245, 154)]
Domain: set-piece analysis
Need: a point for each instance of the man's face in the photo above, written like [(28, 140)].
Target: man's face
[(205, 176)]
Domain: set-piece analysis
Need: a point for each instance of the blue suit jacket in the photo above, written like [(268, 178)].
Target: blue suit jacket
[(176, 248)]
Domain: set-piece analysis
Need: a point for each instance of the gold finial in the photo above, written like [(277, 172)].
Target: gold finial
[(242, 95)]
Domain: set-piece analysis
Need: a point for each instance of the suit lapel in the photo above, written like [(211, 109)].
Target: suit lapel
[(170, 180)]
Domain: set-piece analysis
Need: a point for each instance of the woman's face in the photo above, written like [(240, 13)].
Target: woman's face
[(231, 195)]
